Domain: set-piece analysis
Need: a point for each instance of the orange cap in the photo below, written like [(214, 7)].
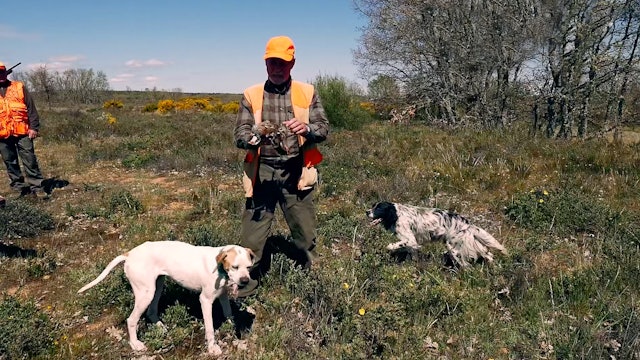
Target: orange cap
[(2, 67), (280, 47)]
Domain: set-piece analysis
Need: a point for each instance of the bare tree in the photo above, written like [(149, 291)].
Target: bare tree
[(587, 42), (626, 61), (42, 80), (458, 58), (474, 61), (82, 85)]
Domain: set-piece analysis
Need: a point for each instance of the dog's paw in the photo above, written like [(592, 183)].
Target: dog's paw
[(137, 345), (214, 349)]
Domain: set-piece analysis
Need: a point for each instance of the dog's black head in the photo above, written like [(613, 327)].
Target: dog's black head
[(383, 212)]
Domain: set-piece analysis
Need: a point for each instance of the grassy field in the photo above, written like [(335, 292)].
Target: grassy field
[(567, 211)]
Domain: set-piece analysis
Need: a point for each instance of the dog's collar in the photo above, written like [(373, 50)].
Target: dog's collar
[(222, 272), (223, 278)]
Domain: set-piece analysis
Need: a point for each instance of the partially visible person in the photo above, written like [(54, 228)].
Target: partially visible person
[(19, 125), (279, 123)]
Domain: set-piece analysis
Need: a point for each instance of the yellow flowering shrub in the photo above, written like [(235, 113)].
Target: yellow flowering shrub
[(194, 104), (210, 104), (231, 107), (108, 117), (165, 106), (216, 105), (112, 104)]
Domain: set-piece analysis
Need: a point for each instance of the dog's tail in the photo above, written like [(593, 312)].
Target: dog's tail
[(104, 272), (488, 240)]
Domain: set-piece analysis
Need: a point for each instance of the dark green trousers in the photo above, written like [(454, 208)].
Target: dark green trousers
[(277, 187), (21, 148)]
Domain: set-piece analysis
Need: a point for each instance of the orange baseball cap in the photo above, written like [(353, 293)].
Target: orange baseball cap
[(2, 67), (280, 47)]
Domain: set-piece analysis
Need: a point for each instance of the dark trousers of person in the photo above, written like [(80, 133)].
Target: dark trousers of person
[(278, 186), (20, 148)]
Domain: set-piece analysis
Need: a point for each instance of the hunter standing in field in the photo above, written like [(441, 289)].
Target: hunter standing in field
[(279, 123), (19, 125)]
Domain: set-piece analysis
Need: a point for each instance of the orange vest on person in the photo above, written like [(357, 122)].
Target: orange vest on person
[(301, 97), (14, 118)]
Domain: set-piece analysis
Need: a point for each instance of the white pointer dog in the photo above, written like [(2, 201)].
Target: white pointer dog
[(217, 272), (414, 225)]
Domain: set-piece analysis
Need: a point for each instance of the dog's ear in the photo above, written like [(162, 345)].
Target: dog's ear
[(222, 256), (252, 255)]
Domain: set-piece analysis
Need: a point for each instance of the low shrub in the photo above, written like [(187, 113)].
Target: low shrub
[(112, 293), (112, 104), (204, 235), (179, 328), (21, 219), (164, 106), (564, 212), (230, 107), (123, 201), (153, 107), (25, 331)]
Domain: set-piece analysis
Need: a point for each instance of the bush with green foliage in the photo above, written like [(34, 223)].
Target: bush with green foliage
[(153, 107), (204, 235), (341, 101), (22, 219), (179, 326), (25, 331), (565, 212), (113, 293), (123, 201)]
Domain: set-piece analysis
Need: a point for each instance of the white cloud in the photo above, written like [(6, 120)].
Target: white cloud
[(67, 58), (53, 66), (58, 63), (120, 78), (146, 63)]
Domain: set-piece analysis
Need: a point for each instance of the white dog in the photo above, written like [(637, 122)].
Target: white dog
[(216, 272), (413, 225)]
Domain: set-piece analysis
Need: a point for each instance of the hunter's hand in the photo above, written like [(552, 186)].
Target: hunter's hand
[(297, 127)]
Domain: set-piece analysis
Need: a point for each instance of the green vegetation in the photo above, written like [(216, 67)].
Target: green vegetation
[(566, 211), (25, 331), (341, 102)]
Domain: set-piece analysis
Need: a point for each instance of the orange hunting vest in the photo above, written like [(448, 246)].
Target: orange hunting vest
[(14, 119), (301, 97)]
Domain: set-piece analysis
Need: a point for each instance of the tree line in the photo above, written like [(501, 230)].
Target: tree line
[(570, 66), (79, 86)]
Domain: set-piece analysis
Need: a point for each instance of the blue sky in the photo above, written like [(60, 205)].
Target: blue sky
[(212, 46)]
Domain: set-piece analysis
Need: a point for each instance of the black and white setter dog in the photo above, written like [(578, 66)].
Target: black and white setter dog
[(414, 225)]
